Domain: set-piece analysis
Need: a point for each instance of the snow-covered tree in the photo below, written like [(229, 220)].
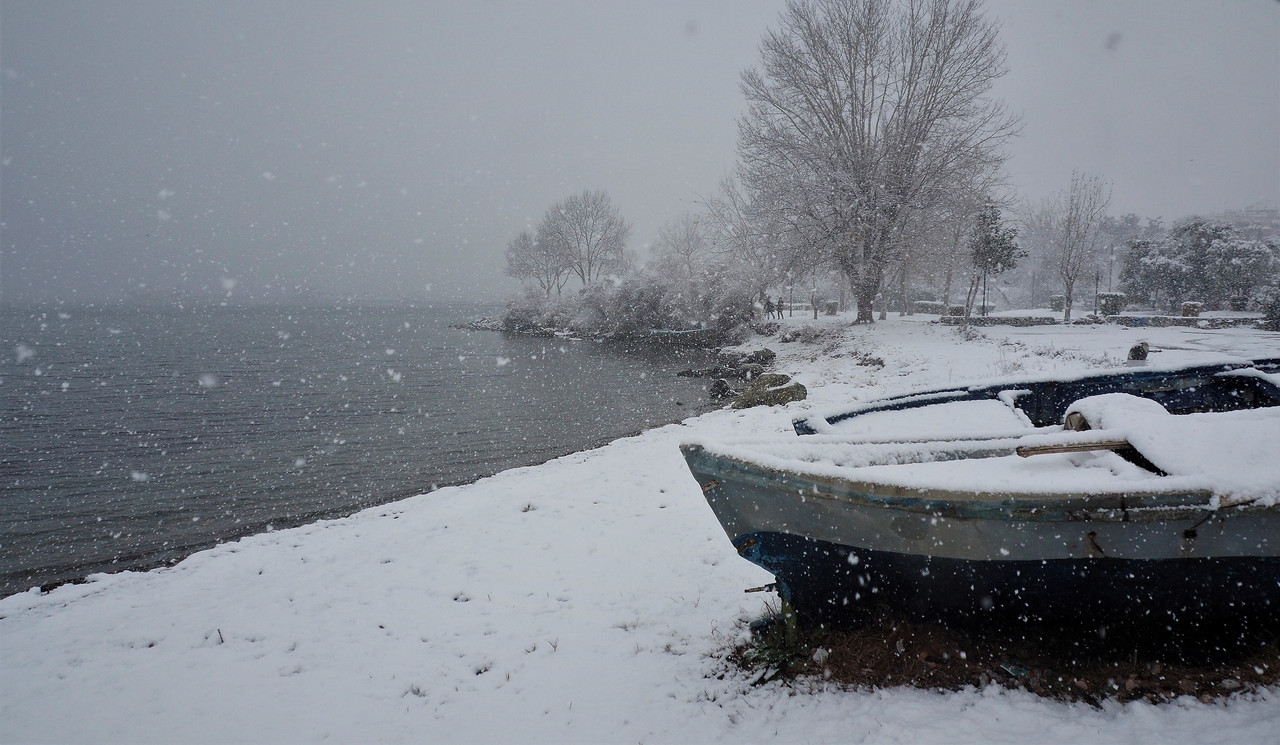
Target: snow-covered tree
[(864, 113), (936, 238), (1036, 232), (533, 257), (993, 249), (1117, 233), (747, 236), (1200, 259), (683, 245), (589, 228), (1076, 216)]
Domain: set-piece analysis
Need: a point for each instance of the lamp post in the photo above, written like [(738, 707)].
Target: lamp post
[(984, 292)]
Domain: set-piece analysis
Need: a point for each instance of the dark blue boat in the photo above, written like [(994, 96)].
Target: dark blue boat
[(963, 528)]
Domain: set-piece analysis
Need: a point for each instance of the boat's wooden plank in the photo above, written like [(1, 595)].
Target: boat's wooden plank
[(1026, 451)]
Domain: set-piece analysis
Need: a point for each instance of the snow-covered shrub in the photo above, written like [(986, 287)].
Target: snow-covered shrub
[(730, 310), (625, 306), (1268, 300), (533, 311), (1111, 303), (635, 304), (672, 295)]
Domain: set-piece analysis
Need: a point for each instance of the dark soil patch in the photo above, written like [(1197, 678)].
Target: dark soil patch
[(1154, 664)]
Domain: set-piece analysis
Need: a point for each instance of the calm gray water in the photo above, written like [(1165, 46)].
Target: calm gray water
[(131, 438)]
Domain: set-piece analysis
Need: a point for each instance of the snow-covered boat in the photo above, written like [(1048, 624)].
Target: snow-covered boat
[(1112, 496)]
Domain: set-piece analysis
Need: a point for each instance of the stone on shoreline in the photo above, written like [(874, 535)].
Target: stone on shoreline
[(771, 389), (763, 356), (720, 389)]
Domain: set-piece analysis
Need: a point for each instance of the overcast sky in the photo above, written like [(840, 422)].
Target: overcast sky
[(390, 150)]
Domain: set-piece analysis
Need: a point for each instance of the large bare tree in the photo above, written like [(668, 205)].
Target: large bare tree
[(864, 112), (589, 228)]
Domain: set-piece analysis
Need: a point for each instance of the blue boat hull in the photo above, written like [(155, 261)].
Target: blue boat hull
[(834, 584)]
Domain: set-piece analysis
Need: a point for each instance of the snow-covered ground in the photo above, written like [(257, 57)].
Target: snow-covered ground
[(588, 599)]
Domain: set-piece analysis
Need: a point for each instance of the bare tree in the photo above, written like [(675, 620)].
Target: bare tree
[(953, 225), (531, 257), (589, 229), (1037, 235), (683, 242), (745, 233), (1078, 215), (865, 112), (935, 237)]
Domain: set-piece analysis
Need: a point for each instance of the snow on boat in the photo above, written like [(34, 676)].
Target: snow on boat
[(1123, 495)]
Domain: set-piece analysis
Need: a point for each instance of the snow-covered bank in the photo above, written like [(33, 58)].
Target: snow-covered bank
[(584, 600)]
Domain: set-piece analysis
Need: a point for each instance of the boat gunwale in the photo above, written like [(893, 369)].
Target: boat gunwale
[(1177, 378), (1143, 505)]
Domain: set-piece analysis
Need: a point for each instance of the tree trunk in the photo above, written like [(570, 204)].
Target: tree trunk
[(866, 291), (866, 312), (971, 295), (864, 268), (904, 306), (1066, 302)]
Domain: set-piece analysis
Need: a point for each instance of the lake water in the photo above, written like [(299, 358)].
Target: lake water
[(132, 438)]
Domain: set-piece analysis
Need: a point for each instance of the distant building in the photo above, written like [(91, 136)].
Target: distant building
[(1254, 223)]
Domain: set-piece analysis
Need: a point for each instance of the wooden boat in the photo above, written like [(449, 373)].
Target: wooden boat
[(1121, 495)]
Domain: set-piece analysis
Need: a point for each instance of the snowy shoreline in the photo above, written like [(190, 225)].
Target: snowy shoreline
[(587, 599)]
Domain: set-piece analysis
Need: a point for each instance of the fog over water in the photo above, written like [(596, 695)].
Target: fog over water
[(292, 151)]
